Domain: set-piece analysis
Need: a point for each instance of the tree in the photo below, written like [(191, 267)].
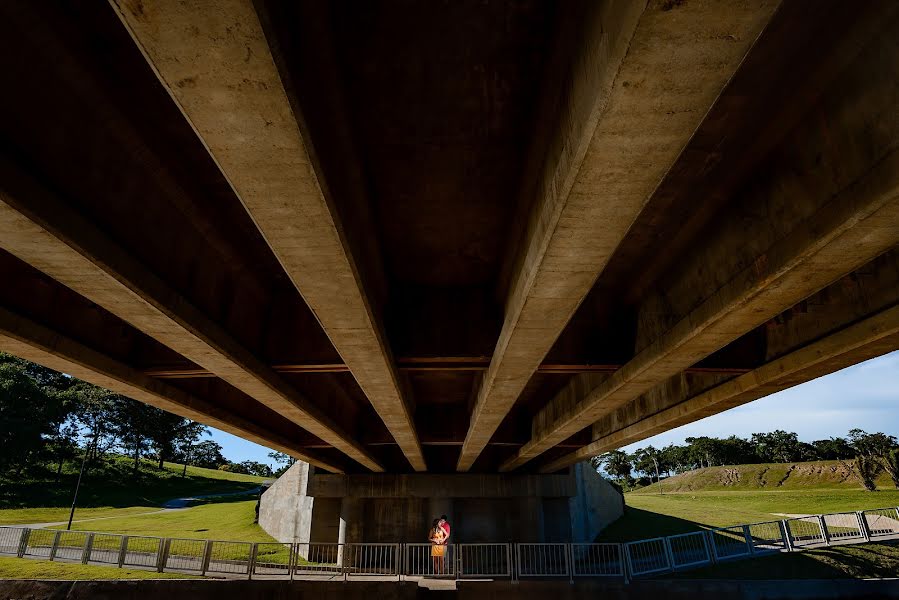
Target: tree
[(129, 423), (163, 430), (187, 436), (207, 454), (27, 415), (835, 448), (890, 464), (776, 446), (874, 451), (94, 411), (285, 460), (616, 463)]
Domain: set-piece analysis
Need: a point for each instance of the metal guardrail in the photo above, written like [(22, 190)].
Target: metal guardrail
[(454, 561)]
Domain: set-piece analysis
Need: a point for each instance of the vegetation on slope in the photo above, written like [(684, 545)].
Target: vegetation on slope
[(110, 487), (771, 476)]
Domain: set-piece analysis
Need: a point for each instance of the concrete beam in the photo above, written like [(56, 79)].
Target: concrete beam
[(647, 76), (825, 203), (214, 60), (44, 232), (874, 336), (26, 339)]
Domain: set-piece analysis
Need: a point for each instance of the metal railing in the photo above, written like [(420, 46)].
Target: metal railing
[(454, 561)]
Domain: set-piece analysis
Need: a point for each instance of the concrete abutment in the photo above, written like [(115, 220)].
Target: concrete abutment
[(307, 507)]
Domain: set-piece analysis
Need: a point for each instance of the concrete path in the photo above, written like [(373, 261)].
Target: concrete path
[(167, 506)]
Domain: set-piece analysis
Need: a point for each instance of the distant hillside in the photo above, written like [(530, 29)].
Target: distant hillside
[(776, 476)]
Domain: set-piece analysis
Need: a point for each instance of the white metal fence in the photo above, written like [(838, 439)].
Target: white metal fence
[(454, 561)]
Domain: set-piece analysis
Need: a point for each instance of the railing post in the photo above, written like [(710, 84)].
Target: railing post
[(863, 525), (788, 535), (207, 556), (23, 542), (123, 550), (713, 550), (627, 555), (669, 555), (55, 545), (747, 535), (251, 566), (622, 563), (514, 561), (569, 563), (86, 553), (824, 533), (162, 555), (292, 560)]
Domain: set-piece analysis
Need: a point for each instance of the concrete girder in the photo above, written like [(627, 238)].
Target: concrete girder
[(29, 340), (632, 106), (835, 210), (44, 232), (214, 60), (874, 336), (847, 302)]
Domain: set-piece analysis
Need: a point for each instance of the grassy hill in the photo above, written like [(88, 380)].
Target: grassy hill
[(733, 495), (778, 476), (109, 488)]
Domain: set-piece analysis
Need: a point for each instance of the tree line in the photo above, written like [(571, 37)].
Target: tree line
[(48, 418), (865, 455)]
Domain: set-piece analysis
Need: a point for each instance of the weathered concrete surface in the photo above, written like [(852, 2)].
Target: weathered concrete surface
[(304, 507), (871, 337), (440, 486), (203, 589), (831, 589), (214, 59), (285, 510), (43, 231), (826, 203), (596, 505), (812, 589), (26, 339), (639, 92)]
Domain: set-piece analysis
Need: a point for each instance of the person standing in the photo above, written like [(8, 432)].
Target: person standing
[(437, 536), (444, 524)]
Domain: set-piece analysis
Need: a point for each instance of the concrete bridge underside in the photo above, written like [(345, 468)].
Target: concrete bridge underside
[(408, 237)]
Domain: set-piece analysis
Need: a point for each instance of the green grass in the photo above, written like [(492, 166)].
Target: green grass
[(725, 496), (820, 475), (226, 520), (25, 568), (108, 489)]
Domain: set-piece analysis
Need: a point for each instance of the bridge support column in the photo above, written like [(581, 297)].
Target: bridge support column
[(350, 529)]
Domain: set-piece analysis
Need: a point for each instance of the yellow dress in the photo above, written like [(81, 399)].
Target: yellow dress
[(437, 547)]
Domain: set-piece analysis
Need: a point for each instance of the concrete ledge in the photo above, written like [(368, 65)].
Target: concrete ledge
[(187, 589), (796, 589), (830, 589)]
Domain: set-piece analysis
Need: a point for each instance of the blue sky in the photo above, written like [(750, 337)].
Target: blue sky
[(865, 395)]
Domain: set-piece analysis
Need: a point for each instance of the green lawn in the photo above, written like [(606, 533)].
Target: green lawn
[(228, 520), (109, 489), (653, 515), (724, 496), (25, 568)]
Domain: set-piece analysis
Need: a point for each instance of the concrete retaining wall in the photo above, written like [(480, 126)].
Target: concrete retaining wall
[(285, 511)]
